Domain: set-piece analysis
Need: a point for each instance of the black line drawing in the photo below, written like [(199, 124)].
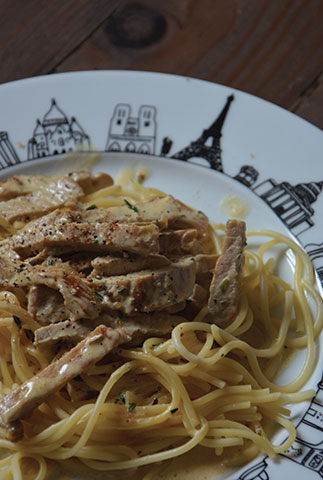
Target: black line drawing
[(256, 472), (315, 252), (207, 146), (248, 175), (56, 134), (307, 449), (132, 134), (8, 155), (291, 203)]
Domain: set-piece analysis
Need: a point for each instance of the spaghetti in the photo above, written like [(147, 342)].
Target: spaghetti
[(203, 385)]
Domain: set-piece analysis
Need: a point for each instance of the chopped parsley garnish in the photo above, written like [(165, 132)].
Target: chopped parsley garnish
[(131, 406), (132, 207), (224, 285), (50, 261), (201, 213), (99, 296), (17, 321), (91, 207), (174, 410), (181, 216), (120, 314), (122, 290)]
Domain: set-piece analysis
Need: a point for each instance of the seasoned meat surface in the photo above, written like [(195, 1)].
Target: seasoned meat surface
[(20, 402), (79, 299), (28, 197), (147, 290), (113, 265), (225, 289), (98, 237)]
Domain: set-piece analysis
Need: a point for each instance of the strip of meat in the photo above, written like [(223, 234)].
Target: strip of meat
[(153, 324), (91, 182), (79, 300), (112, 265), (198, 298), (37, 195), (23, 184), (76, 237), (20, 403), (46, 305), (225, 289), (163, 211), (205, 263), (178, 241), (147, 290)]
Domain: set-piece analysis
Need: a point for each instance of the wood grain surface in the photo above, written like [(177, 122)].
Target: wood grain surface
[(270, 48)]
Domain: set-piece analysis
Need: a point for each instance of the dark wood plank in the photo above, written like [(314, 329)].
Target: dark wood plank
[(271, 48), (36, 35), (309, 106)]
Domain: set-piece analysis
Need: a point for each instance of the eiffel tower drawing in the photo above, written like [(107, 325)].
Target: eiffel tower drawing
[(199, 148)]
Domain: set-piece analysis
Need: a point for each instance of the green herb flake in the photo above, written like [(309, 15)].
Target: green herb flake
[(122, 290), (131, 406), (132, 207), (174, 410), (99, 296), (159, 388), (173, 362), (224, 285), (181, 217), (17, 321), (120, 314), (91, 207), (50, 261)]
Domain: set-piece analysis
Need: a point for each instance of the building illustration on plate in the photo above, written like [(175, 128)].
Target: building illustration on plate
[(132, 134), (8, 155), (207, 145), (56, 134), (307, 450), (315, 252)]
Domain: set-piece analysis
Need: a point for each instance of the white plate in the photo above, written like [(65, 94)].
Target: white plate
[(266, 156)]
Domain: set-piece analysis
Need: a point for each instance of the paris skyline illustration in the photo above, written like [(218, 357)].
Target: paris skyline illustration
[(135, 131)]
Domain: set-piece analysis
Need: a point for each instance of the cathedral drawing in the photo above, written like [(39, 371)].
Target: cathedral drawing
[(56, 134), (132, 134), (8, 155)]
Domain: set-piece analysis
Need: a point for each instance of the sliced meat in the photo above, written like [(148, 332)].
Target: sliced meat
[(67, 331), (205, 263), (147, 290), (46, 305), (225, 289), (198, 298), (139, 326), (23, 184), (91, 182), (179, 241), (113, 265), (76, 237), (37, 196), (79, 300), (179, 215), (23, 400), (164, 211)]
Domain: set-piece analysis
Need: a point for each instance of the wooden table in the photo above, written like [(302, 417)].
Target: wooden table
[(270, 48)]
